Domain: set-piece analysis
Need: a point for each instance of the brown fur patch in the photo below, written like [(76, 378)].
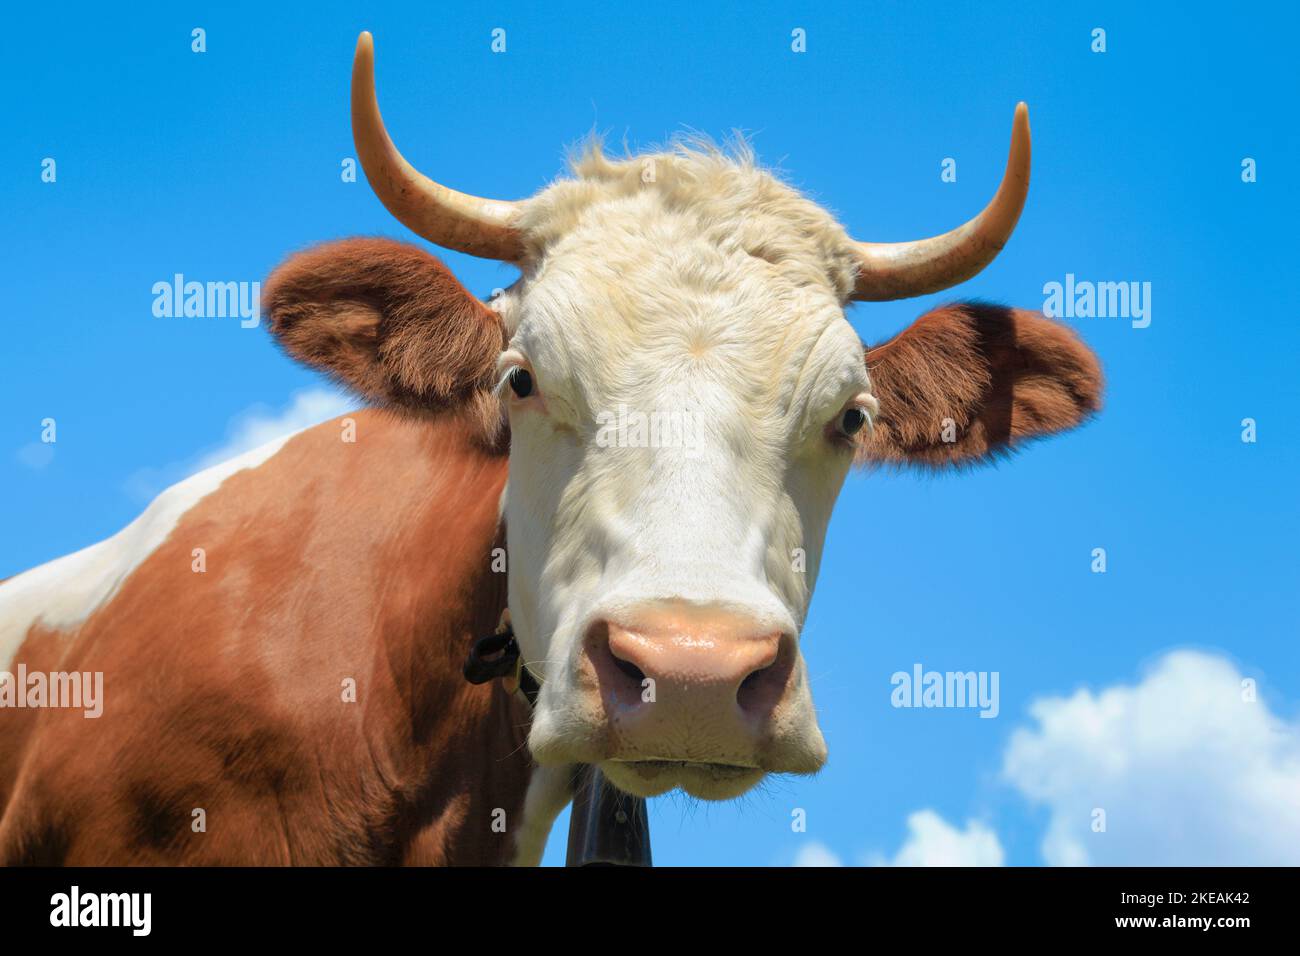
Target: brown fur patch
[(224, 690), (1004, 376), (389, 321)]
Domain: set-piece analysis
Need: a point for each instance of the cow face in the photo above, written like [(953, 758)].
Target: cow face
[(684, 398)]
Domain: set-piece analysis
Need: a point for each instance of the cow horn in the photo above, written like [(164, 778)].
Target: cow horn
[(899, 270), (451, 219)]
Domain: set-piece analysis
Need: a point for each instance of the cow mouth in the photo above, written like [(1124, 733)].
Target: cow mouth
[(716, 769), (702, 779)]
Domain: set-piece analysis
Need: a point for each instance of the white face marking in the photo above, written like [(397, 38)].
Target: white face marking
[(759, 360), (63, 593)]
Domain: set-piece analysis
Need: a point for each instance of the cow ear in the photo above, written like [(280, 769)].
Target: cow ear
[(390, 322), (970, 381)]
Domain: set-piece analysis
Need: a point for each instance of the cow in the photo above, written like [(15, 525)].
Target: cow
[(298, 699)]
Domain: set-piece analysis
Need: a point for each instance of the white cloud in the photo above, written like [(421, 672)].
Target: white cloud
[(1187, 770), (251, 428), (36, 455), (816, 854), (932, 841), (258, 425)]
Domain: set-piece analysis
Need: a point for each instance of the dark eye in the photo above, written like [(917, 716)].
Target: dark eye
[(521, 382), (851, 421)]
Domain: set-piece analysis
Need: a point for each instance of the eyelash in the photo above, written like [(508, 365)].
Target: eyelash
[(513, 370), (521, 382), (866, 407)]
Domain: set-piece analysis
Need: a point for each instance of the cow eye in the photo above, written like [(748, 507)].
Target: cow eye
[(521, 382), (851, 421)]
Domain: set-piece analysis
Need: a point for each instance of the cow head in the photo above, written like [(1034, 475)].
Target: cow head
[(684, 398)]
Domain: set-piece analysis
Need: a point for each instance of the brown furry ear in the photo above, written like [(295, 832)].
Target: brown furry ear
[(389, 321), (970, 381)]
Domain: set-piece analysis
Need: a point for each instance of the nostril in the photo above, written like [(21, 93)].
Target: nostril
[(609, 652), (622, 651), (629, 670), (763, 688)]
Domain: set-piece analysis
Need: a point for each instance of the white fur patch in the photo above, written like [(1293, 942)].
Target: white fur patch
[(549, 791)]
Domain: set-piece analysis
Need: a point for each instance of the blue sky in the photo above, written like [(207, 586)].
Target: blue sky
[(217, 165)]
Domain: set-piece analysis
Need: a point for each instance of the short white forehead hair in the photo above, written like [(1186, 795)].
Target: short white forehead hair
[(735, 204)]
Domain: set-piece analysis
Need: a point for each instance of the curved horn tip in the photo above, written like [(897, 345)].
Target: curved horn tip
[(1018, 155), (446, 217), (363, 60), (898, 270)]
